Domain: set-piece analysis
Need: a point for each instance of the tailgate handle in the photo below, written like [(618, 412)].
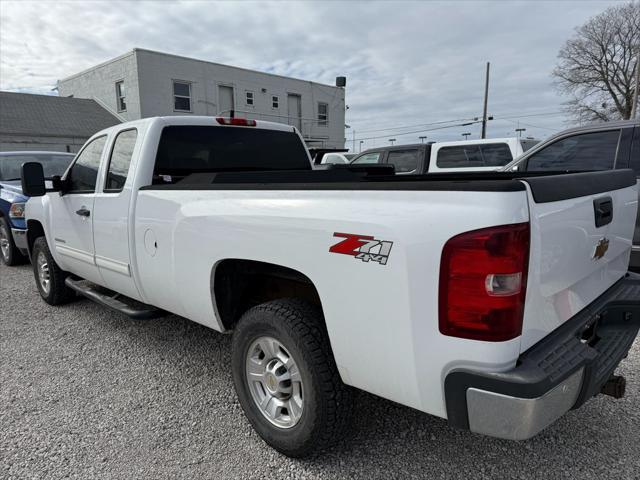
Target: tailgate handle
[(603, 210)]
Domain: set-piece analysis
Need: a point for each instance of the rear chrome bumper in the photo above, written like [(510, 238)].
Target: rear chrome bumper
[(20, 239), (559, 373)]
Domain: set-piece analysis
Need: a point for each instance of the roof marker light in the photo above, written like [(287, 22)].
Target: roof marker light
[(238, 122)]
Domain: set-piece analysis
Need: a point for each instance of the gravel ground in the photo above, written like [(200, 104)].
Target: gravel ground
[(89, 393)]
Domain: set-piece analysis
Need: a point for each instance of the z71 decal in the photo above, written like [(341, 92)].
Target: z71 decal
[(363, 247)]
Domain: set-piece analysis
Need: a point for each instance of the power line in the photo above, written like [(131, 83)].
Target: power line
[(422, 130), (417, 125), (470, 119)]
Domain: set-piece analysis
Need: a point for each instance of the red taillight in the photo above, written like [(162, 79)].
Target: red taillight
[(483, 280), (240, 122)]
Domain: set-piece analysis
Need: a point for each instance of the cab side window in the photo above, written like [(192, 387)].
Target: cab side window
[(368, 158), (120, 160), (404, 161), (589, 151), (84, 172)]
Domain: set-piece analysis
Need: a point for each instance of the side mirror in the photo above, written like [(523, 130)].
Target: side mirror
[(33, 179), (57, 185)]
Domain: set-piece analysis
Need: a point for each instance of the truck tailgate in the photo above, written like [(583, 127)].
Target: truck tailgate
[(581, 234)]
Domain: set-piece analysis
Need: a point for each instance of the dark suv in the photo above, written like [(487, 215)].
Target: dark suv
[(603, 146)]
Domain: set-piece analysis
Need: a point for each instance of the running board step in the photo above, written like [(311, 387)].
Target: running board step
[(113, 300)]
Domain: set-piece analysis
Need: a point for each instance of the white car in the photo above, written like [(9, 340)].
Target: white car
[(336, 158), (497, 301)]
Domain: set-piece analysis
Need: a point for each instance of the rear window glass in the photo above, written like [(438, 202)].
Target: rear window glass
[(478, 155), (405, 161), (589, 151), (187, 149)]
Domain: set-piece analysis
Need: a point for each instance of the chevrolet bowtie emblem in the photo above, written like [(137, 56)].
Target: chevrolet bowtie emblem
[(601, 248)]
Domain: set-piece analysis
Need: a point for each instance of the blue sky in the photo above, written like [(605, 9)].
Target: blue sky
[(407, 64)]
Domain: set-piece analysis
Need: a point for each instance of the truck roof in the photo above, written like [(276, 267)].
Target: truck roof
[(482, 141), (200, 120)]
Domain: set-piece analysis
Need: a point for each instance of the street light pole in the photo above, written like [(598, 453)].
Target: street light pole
[(466, 135), (361, 142), (422, 138), (391, 140), (486, 101), (520, 130)]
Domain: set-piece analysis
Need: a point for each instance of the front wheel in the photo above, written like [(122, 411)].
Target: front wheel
[(9, 253), (49, 276), (286, 379)]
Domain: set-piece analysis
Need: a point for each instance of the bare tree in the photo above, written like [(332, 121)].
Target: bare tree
[(597, 65)]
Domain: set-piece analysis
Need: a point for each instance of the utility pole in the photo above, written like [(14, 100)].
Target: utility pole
[(634, 105), (486, 100), (361, 142), (422, 138)]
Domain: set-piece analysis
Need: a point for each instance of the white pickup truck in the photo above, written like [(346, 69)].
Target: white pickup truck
[(496, 300)]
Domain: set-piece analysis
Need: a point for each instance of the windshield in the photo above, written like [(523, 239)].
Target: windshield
[(527, 144), (53, 164)]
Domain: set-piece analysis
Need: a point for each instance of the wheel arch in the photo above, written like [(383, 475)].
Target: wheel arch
[(35, 230), (239, 284)]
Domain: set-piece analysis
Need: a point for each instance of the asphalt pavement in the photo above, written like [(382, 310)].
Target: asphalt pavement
[(89, 393)]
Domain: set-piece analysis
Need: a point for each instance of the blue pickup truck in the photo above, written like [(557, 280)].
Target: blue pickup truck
[(13, 242)]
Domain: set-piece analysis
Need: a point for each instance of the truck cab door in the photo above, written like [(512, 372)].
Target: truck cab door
[(72, 220), (112, 219)]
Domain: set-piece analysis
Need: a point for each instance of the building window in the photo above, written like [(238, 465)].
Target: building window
[(323, 114), (275, 102), (181, 96), (121, 97), (249, 96)]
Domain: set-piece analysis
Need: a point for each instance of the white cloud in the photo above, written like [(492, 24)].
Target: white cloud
[(406, 63)]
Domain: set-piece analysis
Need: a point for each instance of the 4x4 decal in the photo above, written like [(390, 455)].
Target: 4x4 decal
[(363, 247)]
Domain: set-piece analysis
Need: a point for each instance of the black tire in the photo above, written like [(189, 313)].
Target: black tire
[(58, 293), (299, 327), (10, 256)]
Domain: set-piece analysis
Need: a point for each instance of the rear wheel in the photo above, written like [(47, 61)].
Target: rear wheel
[(9, 253), (286, 379), (49, 276)]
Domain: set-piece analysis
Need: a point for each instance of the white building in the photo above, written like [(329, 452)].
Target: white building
[(144, 83)]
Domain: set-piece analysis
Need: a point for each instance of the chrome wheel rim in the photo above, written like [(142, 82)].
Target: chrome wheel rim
[(4, 241), (44, 276), (274, 381)]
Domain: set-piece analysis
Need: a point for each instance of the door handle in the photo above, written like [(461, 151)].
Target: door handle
[(603, 210), (83, 212)]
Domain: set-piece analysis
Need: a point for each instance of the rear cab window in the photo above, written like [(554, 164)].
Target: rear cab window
[(583, 152), (120, 160), (474, 155), (187, 149)]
